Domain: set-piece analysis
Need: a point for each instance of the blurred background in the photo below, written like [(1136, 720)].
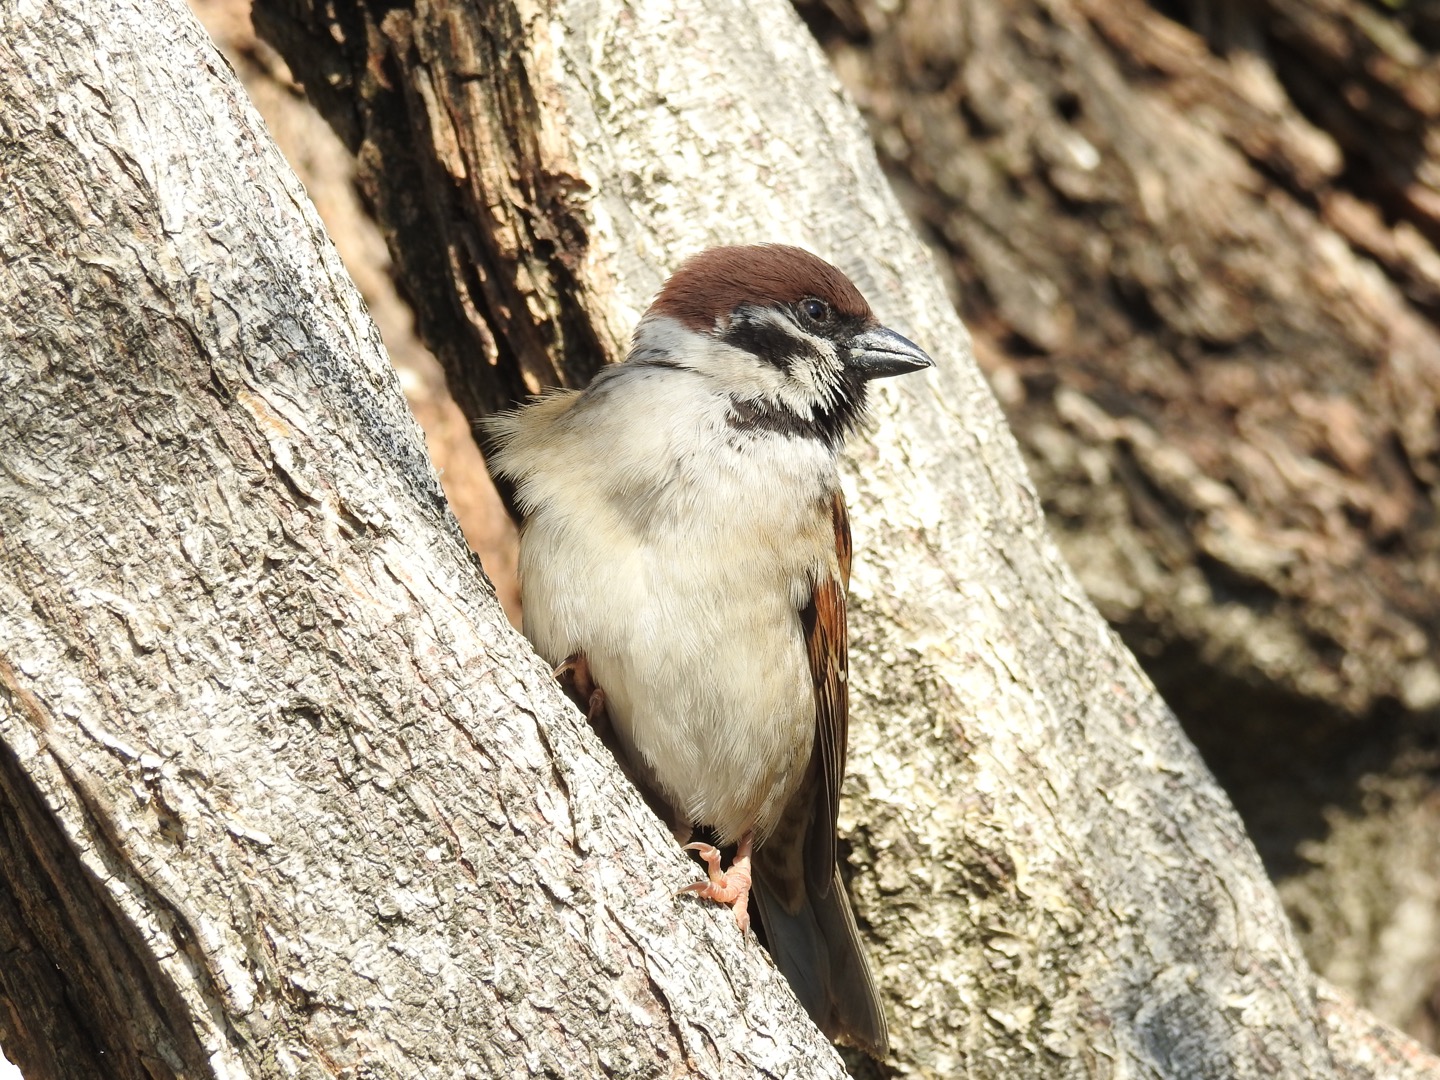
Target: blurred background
[(1195, 243)]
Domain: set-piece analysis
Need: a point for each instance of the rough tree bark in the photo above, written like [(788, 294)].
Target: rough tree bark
[(282, 794), (1203, 278)]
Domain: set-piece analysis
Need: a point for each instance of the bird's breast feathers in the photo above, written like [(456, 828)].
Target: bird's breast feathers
[(668, 556)]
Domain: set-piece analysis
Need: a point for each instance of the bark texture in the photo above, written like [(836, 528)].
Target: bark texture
[(1054, 885), (1199, 260), (281, 793), (327, 169)]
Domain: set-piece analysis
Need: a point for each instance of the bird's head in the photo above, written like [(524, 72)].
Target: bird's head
[(783, 333)]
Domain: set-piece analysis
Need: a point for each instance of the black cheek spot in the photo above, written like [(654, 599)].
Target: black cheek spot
[(767, 341)]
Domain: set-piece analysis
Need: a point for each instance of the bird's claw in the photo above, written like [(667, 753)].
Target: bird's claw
[(731, 887)]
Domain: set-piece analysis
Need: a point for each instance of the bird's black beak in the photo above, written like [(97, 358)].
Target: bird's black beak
[(877, 353)]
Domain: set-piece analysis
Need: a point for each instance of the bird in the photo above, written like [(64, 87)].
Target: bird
[(685, 550)]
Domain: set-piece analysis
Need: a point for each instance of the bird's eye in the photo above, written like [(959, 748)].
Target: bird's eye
[(815, 311)]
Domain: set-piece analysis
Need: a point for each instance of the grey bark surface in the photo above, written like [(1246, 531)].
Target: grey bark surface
[(1052, 883), (281, 794)]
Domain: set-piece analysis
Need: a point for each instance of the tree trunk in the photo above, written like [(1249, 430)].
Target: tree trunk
[(280, 791), (284, 795), (1203, 279)]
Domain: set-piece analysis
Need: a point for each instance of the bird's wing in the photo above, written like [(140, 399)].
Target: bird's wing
[(809, 924), (825, 643)]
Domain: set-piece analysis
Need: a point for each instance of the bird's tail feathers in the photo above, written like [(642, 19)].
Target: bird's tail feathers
[(818, 950)]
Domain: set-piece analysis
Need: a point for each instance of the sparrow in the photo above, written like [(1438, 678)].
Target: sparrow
[(685, 545)]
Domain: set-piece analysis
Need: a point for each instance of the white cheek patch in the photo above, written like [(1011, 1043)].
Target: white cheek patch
[(820, 371), (814, 376)]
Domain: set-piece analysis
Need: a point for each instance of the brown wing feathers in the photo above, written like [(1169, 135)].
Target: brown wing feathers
[(826, 644), (841, 518)]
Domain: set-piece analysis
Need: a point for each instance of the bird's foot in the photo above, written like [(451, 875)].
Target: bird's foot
[(731, 887), (573, 675)]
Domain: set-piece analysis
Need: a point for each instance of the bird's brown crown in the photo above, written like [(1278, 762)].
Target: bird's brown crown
[(717, 281)]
